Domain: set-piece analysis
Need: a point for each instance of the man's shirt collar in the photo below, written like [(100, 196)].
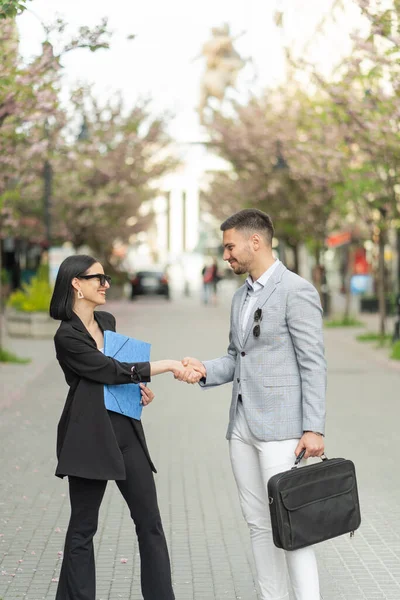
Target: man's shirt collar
[(262, 280)]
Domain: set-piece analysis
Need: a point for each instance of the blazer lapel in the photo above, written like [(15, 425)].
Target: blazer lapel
[(101, 318), (77, 324), (237, 311), (263, 298)]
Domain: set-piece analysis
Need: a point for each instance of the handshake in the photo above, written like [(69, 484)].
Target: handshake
[(189, 370)]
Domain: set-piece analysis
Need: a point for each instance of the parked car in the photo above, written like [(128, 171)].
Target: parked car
[(152, 282)]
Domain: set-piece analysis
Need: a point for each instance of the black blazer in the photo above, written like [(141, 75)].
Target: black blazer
[(86, 443)]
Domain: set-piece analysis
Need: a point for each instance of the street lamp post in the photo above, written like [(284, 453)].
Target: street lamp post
[(48, 181), (396, 333), (47, 193), (47, 187), (279, 167), (84, 132), (281, 163)]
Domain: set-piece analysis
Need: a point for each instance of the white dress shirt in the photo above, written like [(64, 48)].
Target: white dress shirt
[(254, 289)]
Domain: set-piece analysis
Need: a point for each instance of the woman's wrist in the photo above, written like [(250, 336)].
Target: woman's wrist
[(164, 366), (174, 365)]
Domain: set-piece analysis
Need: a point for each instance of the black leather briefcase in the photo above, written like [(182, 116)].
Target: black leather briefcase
[(313, 503)]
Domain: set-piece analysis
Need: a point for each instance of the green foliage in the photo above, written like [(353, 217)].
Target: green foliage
[(43, 272), (100, 187), (11, 8), (32, 120), (4, 278), (34, 296), (373, 337), (93, 39), (9, 357), (386, 23), (382, 340), (358, 187), (395, 355), (344, 322)]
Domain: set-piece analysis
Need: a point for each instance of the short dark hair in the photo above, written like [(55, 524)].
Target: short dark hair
[(251, 220), (63, 296)]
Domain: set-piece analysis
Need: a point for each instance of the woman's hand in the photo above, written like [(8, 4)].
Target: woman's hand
[(187, 374), (189, 361), (147, 395)]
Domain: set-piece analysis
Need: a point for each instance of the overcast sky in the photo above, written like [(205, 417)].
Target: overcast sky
[(169, 35)]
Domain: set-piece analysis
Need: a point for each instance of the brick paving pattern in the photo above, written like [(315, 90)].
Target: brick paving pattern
[(185, 427)]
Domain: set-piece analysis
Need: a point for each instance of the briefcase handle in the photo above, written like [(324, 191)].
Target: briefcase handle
[(301, 456)]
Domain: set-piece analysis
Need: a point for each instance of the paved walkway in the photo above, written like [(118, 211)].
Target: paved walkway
[(185, 427)]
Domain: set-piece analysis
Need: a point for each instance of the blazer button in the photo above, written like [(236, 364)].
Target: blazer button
[(238, 380), (243, 353)]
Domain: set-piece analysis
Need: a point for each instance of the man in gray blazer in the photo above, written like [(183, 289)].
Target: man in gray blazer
[(276, 361)]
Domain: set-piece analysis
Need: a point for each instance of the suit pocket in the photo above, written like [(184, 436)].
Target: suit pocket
[(281, 380)]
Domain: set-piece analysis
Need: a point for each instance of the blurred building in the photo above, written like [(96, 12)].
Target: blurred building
[(181, 233)]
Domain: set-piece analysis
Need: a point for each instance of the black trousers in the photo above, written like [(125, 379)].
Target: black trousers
[(77, 578)]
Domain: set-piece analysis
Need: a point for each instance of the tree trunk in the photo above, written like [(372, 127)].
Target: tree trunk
[(282, 251), (317, 269), (295, 248), (347, 279), (397, 288), (381, 280), (293, 265), (1, 301)]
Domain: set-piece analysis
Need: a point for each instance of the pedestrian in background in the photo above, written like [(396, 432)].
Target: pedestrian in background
[(210, 282), (95, 445), (276, 361)]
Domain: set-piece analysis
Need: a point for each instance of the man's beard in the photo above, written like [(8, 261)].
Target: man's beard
[(240, 268)]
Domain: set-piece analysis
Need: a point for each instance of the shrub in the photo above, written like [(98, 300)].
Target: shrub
[(395, 351), (34, 296), (9, 357), (5, 278)]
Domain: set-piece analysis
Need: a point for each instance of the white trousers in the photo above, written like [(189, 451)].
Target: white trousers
[(253, 463)]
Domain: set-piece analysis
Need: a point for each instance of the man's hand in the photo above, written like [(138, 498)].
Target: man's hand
[(191, 371), (189, 361), (313, 443), (187, 374)]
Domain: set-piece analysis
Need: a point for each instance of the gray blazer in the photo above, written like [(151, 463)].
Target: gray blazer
[(282, 373)]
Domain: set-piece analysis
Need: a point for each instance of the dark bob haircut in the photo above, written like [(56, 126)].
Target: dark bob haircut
[(251, 220), (62, 299)]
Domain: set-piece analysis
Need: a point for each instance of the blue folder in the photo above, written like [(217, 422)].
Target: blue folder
[(125, 398)]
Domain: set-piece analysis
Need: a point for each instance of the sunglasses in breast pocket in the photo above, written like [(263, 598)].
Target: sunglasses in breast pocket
[(258, 316)]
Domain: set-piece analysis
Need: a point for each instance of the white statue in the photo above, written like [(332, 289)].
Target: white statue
[(223, 64)]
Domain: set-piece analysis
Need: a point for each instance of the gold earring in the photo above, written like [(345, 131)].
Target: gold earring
[(80, 295)]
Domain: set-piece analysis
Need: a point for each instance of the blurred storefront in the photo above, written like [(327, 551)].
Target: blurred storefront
[(20, 259)]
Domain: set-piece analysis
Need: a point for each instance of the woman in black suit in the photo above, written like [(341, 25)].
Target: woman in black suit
[(94, 444)]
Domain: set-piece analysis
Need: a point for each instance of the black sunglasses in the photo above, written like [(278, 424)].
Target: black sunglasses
[(257, 317), (100, 276)]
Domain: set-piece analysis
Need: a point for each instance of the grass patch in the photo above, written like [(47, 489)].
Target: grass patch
[(374, 337), (395, 355), (344, 322), (381, 340), (9, 357)]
